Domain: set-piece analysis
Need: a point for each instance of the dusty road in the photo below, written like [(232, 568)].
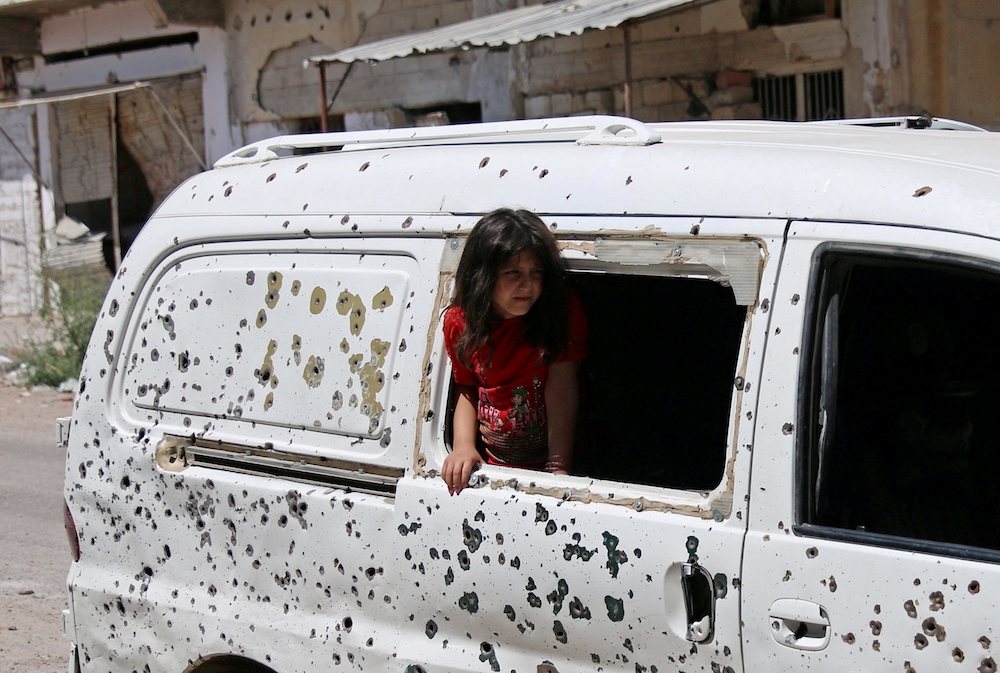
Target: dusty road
[(34, 553)]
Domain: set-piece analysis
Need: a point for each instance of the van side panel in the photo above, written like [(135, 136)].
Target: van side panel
[(266, 555)]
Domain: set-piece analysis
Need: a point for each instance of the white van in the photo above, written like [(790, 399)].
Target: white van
[(791, 390)]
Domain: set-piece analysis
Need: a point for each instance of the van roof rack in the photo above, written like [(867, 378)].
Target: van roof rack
[(590, 130), (906, 122)]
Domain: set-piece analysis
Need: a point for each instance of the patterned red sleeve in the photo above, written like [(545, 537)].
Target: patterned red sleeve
[(577, 348), (454, 325)]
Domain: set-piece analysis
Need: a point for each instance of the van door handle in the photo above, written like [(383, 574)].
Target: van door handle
[(800, 624), (699, 602)]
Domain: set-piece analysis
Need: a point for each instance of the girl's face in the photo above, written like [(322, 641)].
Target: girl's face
[(518, 286)]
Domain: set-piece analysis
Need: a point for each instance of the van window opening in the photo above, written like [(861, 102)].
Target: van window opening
[(657, 384), (902, 401)]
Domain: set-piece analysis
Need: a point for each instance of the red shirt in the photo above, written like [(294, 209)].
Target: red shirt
[(511, 385)]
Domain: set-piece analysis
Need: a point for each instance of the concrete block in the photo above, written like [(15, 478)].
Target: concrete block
[(731, 96), (662, 91), (668, 112), (562, 103), (600, 101), (537, 107), (618, 102), (741, 111), (728, 78)]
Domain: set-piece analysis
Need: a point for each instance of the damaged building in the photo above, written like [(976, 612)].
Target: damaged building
[(107, 106)]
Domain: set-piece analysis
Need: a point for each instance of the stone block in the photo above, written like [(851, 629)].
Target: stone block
[(536, 107), (728, 78), (601, 102), (734, 95), (662, 91), (562, 104)]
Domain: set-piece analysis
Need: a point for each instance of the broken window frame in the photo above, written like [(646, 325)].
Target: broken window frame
[(826, 283), (682, 259)]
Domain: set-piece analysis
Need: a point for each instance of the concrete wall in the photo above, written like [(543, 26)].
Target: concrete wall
[(269, 40), (676, 63), (20, 217)]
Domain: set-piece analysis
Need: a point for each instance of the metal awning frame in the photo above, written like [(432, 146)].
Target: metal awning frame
[(112, 93), (454, 43)]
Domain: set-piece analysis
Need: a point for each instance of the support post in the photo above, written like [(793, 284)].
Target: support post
[(627, 27), (322, 94), (116, 236)]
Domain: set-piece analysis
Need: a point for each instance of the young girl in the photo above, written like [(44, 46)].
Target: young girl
[(515, 338)]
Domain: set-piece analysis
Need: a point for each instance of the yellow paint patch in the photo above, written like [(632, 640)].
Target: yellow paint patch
[(313, 372), (317, 301), (273, 285), (296, 286), (351, 305), (382, 300)]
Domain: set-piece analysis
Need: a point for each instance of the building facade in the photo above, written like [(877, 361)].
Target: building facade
[(217, 74)]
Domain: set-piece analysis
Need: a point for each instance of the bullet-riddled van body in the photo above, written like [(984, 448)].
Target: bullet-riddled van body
[(789, 422)]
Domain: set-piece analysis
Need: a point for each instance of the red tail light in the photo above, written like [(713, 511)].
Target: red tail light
[(74, 539)]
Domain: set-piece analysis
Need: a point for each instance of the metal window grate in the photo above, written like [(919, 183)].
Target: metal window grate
[(824, 95), (802, 97)]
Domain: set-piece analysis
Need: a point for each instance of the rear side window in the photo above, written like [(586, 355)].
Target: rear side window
[(901, 402), (285, 340)]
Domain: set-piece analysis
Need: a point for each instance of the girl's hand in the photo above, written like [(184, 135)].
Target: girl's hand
[(458, 467)]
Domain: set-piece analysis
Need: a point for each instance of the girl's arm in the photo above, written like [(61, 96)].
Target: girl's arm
[(562, 398), (464, 457)]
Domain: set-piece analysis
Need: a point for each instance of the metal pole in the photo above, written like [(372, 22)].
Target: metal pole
[(627, 26), (116, 238), (322, 94)]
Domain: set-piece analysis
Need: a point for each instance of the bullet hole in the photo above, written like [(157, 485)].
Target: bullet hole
[(848, 638), (695, 229), (550, 528), (261, 318), (920, 641), (787, 429), (628, 181), (559, 631), (958, 655), (578, 610), (988, 666), (812, 552), (616, 608), (544, 172), (347, 624), (431, 629), (876, 627), (183, 361), (921, 192), (113, 311), (125, 483), (364, 167), (937, 601), (911, 610), (154, 355), (250, 277), (469, 602), (121, 607), (832, 584), (985, 642), (229, 190), (301, 168), (973, 587), (271, 177), (933, 629), (282, 521), (878, 609), (541, 514), (239, 347), (482, 164)]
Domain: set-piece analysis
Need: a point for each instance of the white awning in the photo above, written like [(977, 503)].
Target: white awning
[(64, 96), (564, 17)]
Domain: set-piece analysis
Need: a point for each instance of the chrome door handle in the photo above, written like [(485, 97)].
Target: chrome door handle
[(800, 624)]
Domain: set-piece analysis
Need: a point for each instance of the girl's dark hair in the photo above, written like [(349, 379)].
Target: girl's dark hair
[(495, 239)]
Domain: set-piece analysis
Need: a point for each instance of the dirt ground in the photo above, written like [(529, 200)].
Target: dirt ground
[(34, 553)]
